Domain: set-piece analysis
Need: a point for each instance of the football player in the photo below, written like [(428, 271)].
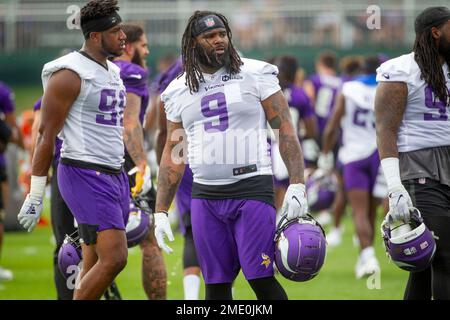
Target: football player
[(323, 88), (221, 99), (83, 102), (191, 266), (134, 73), (302, 114), (363, 179), (413, 133), (350, 67), (9, 133)]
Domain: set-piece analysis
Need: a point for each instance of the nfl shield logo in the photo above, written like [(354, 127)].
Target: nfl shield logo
[(209, 22)]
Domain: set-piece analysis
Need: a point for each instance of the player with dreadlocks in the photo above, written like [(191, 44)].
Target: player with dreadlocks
[(195, 54), (413, 133), (218, 98), (83, 104)]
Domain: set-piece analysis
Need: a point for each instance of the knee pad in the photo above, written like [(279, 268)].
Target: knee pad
[(189, 252)]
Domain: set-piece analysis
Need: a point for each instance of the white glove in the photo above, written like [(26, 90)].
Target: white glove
[(31, 210), (400, 204), (163, 229), (143, 181), (30, 213), (326, 161), (295, 204), (310, 149)]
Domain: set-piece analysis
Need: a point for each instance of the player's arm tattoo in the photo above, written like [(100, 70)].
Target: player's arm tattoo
[(172, 166), (133, 133), (330, 134), (279, 117), (161, 133), (61, 92), (390, 105)]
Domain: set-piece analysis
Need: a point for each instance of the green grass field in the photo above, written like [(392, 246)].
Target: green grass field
[(30, 257), (26, 96)]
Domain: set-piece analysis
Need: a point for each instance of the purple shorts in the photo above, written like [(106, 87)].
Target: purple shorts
[(95, 198), (362, 174), (233, 234), (183, 200)]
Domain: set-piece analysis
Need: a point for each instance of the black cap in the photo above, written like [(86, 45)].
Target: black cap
[(431, 17)]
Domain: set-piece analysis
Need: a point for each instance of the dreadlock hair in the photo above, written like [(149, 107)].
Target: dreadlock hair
[(190, 56), (96, 9), (426, 55)]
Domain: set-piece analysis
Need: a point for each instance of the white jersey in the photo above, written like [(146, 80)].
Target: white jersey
[(93, 129), (358, 124), (225, 122), (424, 124)]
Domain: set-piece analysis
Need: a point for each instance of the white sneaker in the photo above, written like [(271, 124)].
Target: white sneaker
[(324, 218), (372, 266), (367, 263), (334, 237), (5, 274)]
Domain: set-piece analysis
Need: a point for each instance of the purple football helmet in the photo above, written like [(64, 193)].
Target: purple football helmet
[(411, 246), (300, 248), (69, 255), (139, 221), (321, 190)]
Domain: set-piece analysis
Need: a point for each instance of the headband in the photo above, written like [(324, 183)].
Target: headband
[(207, 23), (100, 24)]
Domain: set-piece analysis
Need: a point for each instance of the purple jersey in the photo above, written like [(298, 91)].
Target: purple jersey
[(299, 104), (300, 101), (6, 106), (325, 88), (135, 79), (58, 141), (166, 78)]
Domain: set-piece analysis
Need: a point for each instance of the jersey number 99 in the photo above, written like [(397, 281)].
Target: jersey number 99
[(108, 101)]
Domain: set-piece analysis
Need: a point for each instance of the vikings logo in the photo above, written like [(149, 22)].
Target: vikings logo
[(266, 260)]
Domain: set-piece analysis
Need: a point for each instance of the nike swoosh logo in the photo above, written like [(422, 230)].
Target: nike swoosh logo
[(386, 75), (136, 76), (399, 198), (295, 198)]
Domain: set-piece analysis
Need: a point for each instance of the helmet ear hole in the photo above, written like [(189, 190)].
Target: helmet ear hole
[(300, 249)]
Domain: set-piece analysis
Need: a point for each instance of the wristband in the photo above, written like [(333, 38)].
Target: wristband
[(37, 187), (391, 169)]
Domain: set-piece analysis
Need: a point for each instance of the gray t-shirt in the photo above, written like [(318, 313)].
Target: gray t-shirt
[(433, 163)]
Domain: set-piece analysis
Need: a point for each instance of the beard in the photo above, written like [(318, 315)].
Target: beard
[(137, 59), (211, 59)]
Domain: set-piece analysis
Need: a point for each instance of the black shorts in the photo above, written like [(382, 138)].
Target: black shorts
[(431, 197)]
